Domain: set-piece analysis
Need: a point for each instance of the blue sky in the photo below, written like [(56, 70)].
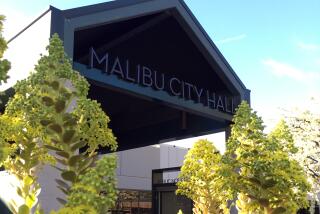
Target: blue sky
[(274, 46)]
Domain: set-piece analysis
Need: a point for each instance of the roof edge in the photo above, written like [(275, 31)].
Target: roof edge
[(212, 44), (84, 10)]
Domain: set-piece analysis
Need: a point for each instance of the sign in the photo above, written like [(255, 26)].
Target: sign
[(144, 76)]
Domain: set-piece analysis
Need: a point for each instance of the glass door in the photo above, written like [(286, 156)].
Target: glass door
[(170, 203)]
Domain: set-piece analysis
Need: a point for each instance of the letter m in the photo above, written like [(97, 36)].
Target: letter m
[(94, 57)]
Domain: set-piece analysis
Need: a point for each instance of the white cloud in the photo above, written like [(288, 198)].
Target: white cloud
[(308, 46), (286, 70), (232, 39)]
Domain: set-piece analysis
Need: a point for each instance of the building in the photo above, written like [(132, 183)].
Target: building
[(153, 68)]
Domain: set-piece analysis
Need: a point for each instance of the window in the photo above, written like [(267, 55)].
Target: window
[(133, 202)]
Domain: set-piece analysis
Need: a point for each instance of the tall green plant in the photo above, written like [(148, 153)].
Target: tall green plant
[(18, 147), (201, 179), (57, 119), (95, 188), (269, 181), (24, 164)]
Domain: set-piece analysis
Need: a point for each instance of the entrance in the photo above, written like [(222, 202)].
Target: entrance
[(152, 67), (157, 75), (165, 200)]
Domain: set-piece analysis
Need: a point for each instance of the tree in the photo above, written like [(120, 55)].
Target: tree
[(305, 127), (268, 179), (4, 64), (201, 179), (4, 68), (53, 115)]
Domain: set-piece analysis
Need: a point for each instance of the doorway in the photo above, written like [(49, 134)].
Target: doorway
[(164, 198)]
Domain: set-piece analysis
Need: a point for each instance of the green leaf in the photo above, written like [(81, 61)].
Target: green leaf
[(62, 184), (69, 176), (55, 127), (19, 192), (68, 135), (63, 154), (24, 209), (70, 122), (78, 145), (61, 170), (66, 116), (34, 162), (60, 105), (52, 148), (47, 101), (25, 155), (61, 201), (264, 202), (63, 190), (55, 85), (279, 210), (269, 183), (75, 159), (254, 180), (12, 206), (30, 200), (83, 165), (28, 180), (62, 161), (45, 122)]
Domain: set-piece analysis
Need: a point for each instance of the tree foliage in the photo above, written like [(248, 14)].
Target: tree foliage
[(96, 187), (305, 127), (4, 64), (4, 68), (257, 170), (201, 179), (268, 180), (51, 118)]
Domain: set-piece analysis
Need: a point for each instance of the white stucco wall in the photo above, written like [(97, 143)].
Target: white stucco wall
[(135, 166), (49, 191)]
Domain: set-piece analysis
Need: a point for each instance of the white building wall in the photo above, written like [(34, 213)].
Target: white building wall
[(171, 156), (135, 166), (49, 191)]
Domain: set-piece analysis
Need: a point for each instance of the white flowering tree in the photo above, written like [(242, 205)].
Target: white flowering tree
[(305, 127)]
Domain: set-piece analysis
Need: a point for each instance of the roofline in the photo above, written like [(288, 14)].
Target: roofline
[(84, 10), (29, 25), (212, 43)]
